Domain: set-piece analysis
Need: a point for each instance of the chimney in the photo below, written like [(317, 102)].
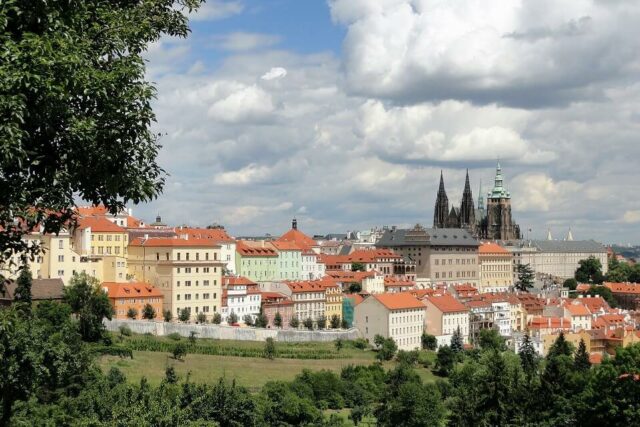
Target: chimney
[(262, 243), (294, 224), (548, 322), (146, 237)]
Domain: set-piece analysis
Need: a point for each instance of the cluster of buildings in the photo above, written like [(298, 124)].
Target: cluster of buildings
[(396, 282)]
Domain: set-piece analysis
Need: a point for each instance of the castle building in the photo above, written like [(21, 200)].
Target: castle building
[(492, 222)]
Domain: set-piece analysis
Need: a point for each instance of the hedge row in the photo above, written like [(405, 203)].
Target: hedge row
[(285, 353), (111, 350)]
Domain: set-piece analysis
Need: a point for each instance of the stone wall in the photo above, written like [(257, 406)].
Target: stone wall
[(230, 332)]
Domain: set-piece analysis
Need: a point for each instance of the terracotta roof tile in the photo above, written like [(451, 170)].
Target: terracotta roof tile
[(99, 224), (447, 303), (399, 301), (159, 242), (131, 290)]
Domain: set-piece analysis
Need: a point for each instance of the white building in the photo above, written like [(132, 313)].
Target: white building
[(399, 316), (502, 317), (240, 296), (445, 315), (219, 236), (312, 268)]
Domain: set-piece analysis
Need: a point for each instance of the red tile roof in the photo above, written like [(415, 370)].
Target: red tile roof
[(308, 286), (258, 251), (447, 303), (240, 280), (297, 237), (624, 288), (130, 290), (575, 308), (540, 322), (286, 246), (216, 234), (399, 301), (99, 224), (493, 249)]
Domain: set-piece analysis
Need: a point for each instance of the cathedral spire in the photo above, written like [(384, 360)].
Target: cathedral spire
[(441, 210), (467, 210)]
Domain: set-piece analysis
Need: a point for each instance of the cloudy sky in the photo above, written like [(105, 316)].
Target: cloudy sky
[(343, 113)]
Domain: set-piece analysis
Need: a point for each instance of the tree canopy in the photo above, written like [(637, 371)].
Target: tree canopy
[(589, 271)]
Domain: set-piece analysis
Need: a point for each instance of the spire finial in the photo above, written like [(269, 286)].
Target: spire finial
[(294, 223)]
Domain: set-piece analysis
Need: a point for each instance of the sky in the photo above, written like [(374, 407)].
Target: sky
[(343, 113)]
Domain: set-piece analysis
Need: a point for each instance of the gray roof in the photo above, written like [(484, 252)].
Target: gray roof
[(41, 289), (567, 246), (427, 237)]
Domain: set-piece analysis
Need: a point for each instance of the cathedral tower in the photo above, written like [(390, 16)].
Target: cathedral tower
[(441, 210), (467, 210), (499, 224)]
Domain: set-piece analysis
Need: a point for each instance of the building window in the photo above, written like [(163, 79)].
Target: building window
[(61, 258), (187, 283), (197, 256), (60, 272), (187, 256)]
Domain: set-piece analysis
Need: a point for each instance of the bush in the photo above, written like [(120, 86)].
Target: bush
[(108, 350), (201, 318), (295, 322), (248, 320), (148, 312), (334, 323), (132, 313), (232, 319), (359, 343), (184, 315), (174, 336), (429, 342), (179, 351), (167, 315), (192, 337), (269, 349), (217, 319), (308, 323), (125, 331)]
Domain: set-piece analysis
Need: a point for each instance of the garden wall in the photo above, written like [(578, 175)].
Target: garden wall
[(221, 332)]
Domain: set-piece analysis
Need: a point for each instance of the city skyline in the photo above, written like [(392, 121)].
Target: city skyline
[(270, 111)]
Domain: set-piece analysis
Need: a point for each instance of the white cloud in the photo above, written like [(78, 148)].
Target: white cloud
[(274, 74), (214, 10), (514, 52), (631, 217), (246, 104), (243, 41), (250, 174)]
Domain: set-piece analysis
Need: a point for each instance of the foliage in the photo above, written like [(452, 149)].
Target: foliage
[(604, 292), (132, 313), (308, 323), (589, 271), (407, 357), (490, 339), (386, 348), (281, 406), (344, 324), (277, 320), (201, 318), (525, 277), (322, 322), (429, 342), (339, 344), (414, 405), (184, 315), (528, 357), (354, 288), (232, 319), (167, 315), (446, 359), (560, 347), (179, 351), (174, 336), (22, 294), (269, 348), (571, 283), (334, 322), (357, 266), (125, 331), (457, 345), (75, 99), (90, 304), (581, 359), (148, 312), (217, 319), (248, 320), (192, 337), (294, 322), (261, 321)]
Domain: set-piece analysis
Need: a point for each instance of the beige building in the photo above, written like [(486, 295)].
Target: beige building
[(188, 272), (496, 268), (309, 299), (441, 255), (445, 315), (399, 316)]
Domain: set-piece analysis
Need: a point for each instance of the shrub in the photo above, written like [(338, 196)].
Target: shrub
[(248, 320), (359, 343), (335, 321), (184, 315), (295, 322), (269, 349), (232, 319), (167, 315), (201, 318), (344, 324), (179, 351), (217, 319), (322, 322), (125, 331), (174, 336), (148, 312), (108, 350), (132, 313), (277, 320), (429, 342), (308, 323)]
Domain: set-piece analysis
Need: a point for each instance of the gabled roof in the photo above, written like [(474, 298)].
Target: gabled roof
[(447, 303), (492, 248), (306, 286), (99, 224), (239, 280), (624, 288), (41, 289), (576, 308), (399, 301), (286, 246), (420, 236), (298, 237), (131, 290), (254, 251), (540, 322), (216, 234)]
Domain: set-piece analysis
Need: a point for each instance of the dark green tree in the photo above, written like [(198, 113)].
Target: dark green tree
[(261, 321), (355, 288), (322, 322), (201, 318), (335, 321), (170, 375), (619, 272), (429, 342), (308, 323), (269, 348), (571, 284), (217, 318), (248, 320), (74, 99), (166, 314), (525, 277), (232, 319), (581, 358), (148, 312), (357, 266), (528, 357), (634, 274), (281, 406), (339, 344), (132, 313), (344, 324), (179, 351), (184, 315), (490, 339), (90, 304), (294, 322), (277, 320), (457, 345), (589, 271), (446, 359), (22, 294), (415, 405), (387, 349), (560, 347)]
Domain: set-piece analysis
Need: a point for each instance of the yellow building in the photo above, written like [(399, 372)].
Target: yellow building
[(187, 271), (333, 301), (572, 337), (97, 236), (496, 268)]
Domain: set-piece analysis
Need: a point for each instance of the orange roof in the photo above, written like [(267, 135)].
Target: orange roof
[(308, 286), (492, 248), (241, 280), (245, 250), (396, 281), (357, 298), (133, 222), (216, 234), (99, 224), (583, 287), (623, 288), (272, 295), (350, 276), (99, 210), (540, 322), (159, 242), (399, 301), (128, 290), (446, 303), (286, 246), (575, 308), (422, 293), (371, 255), (298, 237)]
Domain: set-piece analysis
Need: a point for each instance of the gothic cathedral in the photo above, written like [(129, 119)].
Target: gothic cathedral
[(493, 223)]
